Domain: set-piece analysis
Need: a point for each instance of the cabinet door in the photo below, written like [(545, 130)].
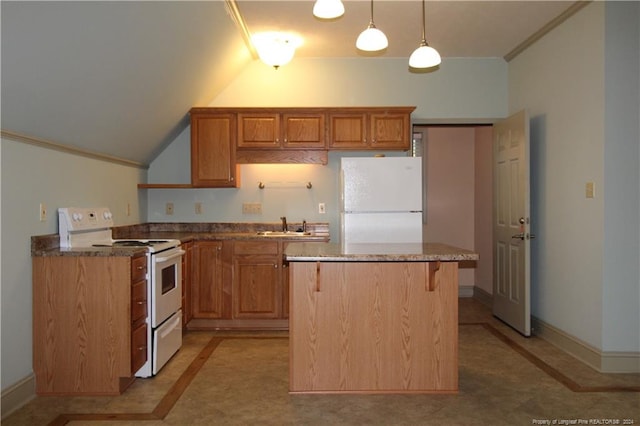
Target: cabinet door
[(213, 150), (258, 130), (303, 131), (256, 287), (347, 130), (257, 290), (139, 344), (187, 279), (207, 292), (285, 285), (390, 131)]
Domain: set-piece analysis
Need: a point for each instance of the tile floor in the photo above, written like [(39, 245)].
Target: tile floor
[(230, 378)]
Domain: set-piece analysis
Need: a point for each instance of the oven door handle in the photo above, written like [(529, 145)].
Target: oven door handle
[(170, 327), (171, 256)]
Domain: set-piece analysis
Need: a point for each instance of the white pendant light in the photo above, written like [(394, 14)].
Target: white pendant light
[(372, 39), (328, 9), (275, 49), (424, 56)]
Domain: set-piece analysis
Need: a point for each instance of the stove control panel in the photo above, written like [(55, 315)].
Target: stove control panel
[(83, 219), (84, 227)]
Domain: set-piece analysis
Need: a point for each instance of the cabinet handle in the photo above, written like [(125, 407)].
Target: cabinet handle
[(141, 303), (317, 277), (275, 265), (142, 348), (140, 268), (434, 267), (373, 141)]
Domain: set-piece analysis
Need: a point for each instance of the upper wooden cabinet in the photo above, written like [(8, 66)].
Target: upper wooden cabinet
[(370, 128), (213, 162), (281, 129)]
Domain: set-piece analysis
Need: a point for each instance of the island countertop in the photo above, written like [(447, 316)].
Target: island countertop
[(376, 252)]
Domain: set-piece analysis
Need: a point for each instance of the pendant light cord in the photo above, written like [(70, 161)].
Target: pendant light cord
[(424, 36), (371, 20)]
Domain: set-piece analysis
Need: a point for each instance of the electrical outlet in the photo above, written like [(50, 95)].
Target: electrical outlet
[(198, 208), (590, 191), (169, 209), (43, 212), (321, 208), (251, 208)]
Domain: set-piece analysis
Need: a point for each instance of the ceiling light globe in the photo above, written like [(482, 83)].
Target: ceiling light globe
[(424, 57), (372, 40), (328, 9), (277, 56), (275, 49)]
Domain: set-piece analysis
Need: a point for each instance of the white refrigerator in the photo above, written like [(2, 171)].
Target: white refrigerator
[(381, 200)]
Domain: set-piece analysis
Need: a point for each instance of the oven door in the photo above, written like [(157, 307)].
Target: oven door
[(166, 284), (167, 339)]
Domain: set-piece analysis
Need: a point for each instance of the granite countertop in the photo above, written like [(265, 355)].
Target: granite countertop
[(49, 245), (382, 252)]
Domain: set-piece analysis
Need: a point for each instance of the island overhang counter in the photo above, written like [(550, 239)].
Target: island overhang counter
[(373, 318)]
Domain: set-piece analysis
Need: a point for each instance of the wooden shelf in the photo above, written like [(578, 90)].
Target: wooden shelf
[(166, 185)]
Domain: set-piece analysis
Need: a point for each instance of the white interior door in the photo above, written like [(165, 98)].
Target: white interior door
[(511, 223)]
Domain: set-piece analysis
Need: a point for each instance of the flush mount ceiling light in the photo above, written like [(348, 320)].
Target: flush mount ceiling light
[(372, 39), (274, 48), (328, 9), (424, 56)]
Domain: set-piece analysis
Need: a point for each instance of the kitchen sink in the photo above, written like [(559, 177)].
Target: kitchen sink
[(284, 234)]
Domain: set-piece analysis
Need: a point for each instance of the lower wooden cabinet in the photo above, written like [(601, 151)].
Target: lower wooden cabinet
[(257, 280), (89, 335), (208, 298), (139, 310), (239, 284)]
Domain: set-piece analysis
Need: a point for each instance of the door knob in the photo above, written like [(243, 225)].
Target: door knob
[(518, 236)]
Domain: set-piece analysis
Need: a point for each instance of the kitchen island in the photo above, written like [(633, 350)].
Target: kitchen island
[(374, 318)]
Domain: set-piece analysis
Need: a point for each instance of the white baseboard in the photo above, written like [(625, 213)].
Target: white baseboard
[(465, 291), (604, 362), (483, 296), (18, 394)]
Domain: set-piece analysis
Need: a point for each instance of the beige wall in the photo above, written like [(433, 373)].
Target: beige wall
[(584, 278), (458, 194), (449, 158), (483, 207)]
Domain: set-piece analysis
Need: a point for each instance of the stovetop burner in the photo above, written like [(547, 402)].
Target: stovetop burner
[(127, 243), (152, 245), (132, 243)]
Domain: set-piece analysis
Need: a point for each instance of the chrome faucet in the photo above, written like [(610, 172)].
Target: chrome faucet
[(304, 226), (284, 223)]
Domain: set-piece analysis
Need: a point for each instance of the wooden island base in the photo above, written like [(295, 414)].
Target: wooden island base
[(373, 327)]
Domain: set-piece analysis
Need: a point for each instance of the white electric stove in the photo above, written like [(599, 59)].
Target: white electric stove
[(90, 228)]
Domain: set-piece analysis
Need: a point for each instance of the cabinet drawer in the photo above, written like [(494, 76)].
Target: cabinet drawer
[(138, 347), (256, 247), (138, 268), (138, 301)]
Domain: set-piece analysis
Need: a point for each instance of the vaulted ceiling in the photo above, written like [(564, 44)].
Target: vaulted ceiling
[(119, 78)]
